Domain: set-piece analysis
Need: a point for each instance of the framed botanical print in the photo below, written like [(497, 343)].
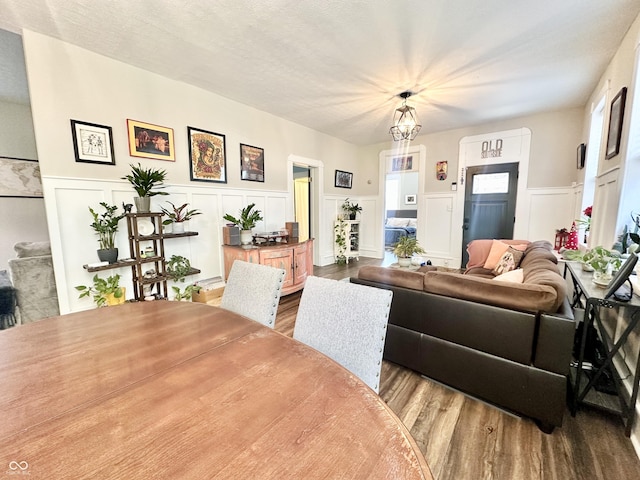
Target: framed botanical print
[(251, 163), (207, 156), (92, 143), (151, 141)]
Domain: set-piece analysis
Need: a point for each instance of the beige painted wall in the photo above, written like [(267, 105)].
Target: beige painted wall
[(555, 137), (67, 82)]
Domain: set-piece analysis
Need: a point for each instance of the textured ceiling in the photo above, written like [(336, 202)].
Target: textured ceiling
[(336, 66)]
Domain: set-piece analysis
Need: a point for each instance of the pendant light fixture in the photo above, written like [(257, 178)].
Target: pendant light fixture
[(405, 121)]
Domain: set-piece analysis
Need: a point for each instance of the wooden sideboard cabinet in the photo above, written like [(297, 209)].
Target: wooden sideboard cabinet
[(296, 259)]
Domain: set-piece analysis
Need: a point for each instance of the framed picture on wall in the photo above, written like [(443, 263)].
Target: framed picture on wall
[(207, 155), (343, 179), (151, 141), (20, 177), (251, 163), (615, 123), (92, 143), (582, 152), (410, 199)]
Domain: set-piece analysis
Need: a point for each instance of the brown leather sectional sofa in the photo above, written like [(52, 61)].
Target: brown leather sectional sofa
[(506, 343)]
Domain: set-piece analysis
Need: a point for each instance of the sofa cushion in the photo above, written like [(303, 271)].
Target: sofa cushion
[(32, 249), (513, 276), (510, 260), (392, 276), (479, 250), (518, 296)]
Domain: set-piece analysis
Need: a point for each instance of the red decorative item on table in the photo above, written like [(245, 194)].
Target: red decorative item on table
[(572, 240)]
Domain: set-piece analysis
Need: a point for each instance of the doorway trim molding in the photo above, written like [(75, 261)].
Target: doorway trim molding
[(316, 172), (516, 147)]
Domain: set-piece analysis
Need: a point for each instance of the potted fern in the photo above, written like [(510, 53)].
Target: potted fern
[(405, 249), (106, 225), (245, 222), (145, 182)]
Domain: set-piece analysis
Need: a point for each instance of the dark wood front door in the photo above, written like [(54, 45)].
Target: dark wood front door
[(489, 203)]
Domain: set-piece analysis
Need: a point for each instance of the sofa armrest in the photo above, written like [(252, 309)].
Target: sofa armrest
[(555, 340)]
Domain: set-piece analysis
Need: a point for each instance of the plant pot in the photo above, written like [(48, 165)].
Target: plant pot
[(177, 227), (352, 216), (404, 261), (108, 255), (143, 204), (601, 278), (112, 300), (246, 237)]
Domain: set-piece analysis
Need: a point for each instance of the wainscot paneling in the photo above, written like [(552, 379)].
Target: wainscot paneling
[(549, 209), (74, 243)]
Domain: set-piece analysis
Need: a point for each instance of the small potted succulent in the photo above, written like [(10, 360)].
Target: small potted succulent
[(105, 292), (178, 215), (405, 249), (247, 220), (145, 182), (106, 225)]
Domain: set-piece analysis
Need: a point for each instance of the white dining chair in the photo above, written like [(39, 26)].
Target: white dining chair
[(253, 290), (346, 322)]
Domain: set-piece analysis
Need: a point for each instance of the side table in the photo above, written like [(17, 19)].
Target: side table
[(586, 294)]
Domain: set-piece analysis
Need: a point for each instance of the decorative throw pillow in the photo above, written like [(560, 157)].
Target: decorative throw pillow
[(413, 222), (508, 261), (514, 276), (397, 222), (495, 254)]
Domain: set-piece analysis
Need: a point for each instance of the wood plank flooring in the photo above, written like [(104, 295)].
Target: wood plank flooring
[(465, 439)]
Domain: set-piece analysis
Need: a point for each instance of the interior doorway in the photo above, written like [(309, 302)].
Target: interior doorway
[(489, 203), (302, 200)]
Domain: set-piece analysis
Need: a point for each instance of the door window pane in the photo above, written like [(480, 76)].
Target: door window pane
[(491, 183)]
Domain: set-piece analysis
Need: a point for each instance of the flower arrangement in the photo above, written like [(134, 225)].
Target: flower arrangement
[(586, 221)]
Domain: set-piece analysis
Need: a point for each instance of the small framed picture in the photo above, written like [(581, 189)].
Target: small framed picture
[(92, 143), (151, 141), (208, 156), (615, 124), (251, 163), (410, 199), (581, 154), (343, 179)]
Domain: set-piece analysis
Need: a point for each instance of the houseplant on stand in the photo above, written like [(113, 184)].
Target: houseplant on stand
[(247, 220), (405, 249), (106, 226), (106, 292), (144, 181), (341, 241), (351, 209), (178, 215)]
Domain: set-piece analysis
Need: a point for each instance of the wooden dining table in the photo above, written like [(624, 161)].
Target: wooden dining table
[(179, 390)]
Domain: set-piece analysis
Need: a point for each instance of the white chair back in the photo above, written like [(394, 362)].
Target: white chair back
[(253, 290), (346, 322)]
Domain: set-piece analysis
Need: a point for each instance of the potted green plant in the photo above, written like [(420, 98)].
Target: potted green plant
[(106, 225), (351, 209), (178, 267), (405, 249), (247, 220), (144, 182), (178, 215), (105, 292)]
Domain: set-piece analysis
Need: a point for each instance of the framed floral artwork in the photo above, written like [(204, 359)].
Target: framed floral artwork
[(207, 156), (151, 141), (251, 163), (92, 143)]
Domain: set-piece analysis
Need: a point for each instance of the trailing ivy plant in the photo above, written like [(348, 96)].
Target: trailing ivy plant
[(341, 241)]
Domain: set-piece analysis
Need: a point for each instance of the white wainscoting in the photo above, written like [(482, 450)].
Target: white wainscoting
[(436, 229), (74, 243), (550, 209)]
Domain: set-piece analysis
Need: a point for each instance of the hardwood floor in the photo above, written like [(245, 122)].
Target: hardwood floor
[(465, 439)]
